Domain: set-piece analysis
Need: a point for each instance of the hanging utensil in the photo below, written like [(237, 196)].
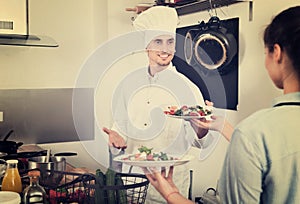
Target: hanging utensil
[(210, 46), (7, 135), (9, 147), (48, 155)]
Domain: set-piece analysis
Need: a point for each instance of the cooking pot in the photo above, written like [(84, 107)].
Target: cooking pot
[(22, 157), (9, 147), (48, 175), (210, 46), (51, 170)]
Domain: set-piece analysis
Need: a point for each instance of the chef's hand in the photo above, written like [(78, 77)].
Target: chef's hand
[(217, 123), (201, 132), (200, 129), (115, 140), (165, 186)]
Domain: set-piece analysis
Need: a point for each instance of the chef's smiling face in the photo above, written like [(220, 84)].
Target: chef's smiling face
[(161, 50)]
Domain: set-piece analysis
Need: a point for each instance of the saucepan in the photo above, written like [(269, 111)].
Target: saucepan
[(22, 157), (51, 167), (210, 46), (9, 147)]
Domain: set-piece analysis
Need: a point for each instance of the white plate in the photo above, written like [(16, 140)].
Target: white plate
[(167, 163)]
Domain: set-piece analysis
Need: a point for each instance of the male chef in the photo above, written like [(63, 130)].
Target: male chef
[(143, 94)]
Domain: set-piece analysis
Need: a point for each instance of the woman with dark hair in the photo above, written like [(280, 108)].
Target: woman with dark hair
[(262, 163)]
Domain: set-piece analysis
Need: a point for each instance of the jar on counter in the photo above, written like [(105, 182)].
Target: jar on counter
[(9, 197), (34, 193), (12, 180)]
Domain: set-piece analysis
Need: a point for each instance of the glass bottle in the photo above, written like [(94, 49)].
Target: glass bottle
[(12, 180), (34, 193)]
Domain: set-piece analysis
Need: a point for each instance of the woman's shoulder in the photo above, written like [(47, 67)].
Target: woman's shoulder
[(256, 117)]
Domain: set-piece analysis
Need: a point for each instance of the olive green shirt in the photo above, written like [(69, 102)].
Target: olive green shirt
[(262, 164)]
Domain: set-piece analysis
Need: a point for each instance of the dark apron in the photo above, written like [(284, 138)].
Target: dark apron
[(287, 104)]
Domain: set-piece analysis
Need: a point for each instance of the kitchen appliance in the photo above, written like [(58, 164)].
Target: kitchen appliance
[(14, 17), (14, 26)]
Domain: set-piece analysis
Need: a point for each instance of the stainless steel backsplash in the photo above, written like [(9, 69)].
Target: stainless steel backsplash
[(47, 115)]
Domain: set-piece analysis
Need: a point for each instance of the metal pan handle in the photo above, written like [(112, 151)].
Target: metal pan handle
[(66, 154)]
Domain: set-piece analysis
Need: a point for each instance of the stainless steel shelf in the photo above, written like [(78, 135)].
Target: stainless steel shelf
[(202, 5)]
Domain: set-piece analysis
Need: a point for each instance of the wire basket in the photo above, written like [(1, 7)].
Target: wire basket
[(85, 189), (132, 190)]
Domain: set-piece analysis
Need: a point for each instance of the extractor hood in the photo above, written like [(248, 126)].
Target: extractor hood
[(14, 26)]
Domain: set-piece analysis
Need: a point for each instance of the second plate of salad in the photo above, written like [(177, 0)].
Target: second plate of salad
[(146, 158)]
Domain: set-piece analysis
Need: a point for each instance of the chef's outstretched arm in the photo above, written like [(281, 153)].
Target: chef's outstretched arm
[(217, 123), (115, 139)]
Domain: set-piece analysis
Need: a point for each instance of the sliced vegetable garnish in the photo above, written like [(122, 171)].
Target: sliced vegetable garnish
[(196, 110)]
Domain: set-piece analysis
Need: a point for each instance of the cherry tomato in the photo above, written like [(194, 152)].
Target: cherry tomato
[(193, 114), (150, 157)]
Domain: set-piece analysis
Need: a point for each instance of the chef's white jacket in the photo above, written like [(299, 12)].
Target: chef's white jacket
[(138, 105)]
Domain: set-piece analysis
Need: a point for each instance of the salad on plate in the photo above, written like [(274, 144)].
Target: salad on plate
[(146, 158), (189, 112)]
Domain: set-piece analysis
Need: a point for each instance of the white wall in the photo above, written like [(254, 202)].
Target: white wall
[(75, 25), (80, 26)]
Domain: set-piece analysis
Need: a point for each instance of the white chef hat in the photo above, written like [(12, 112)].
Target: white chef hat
[(156, 21)]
